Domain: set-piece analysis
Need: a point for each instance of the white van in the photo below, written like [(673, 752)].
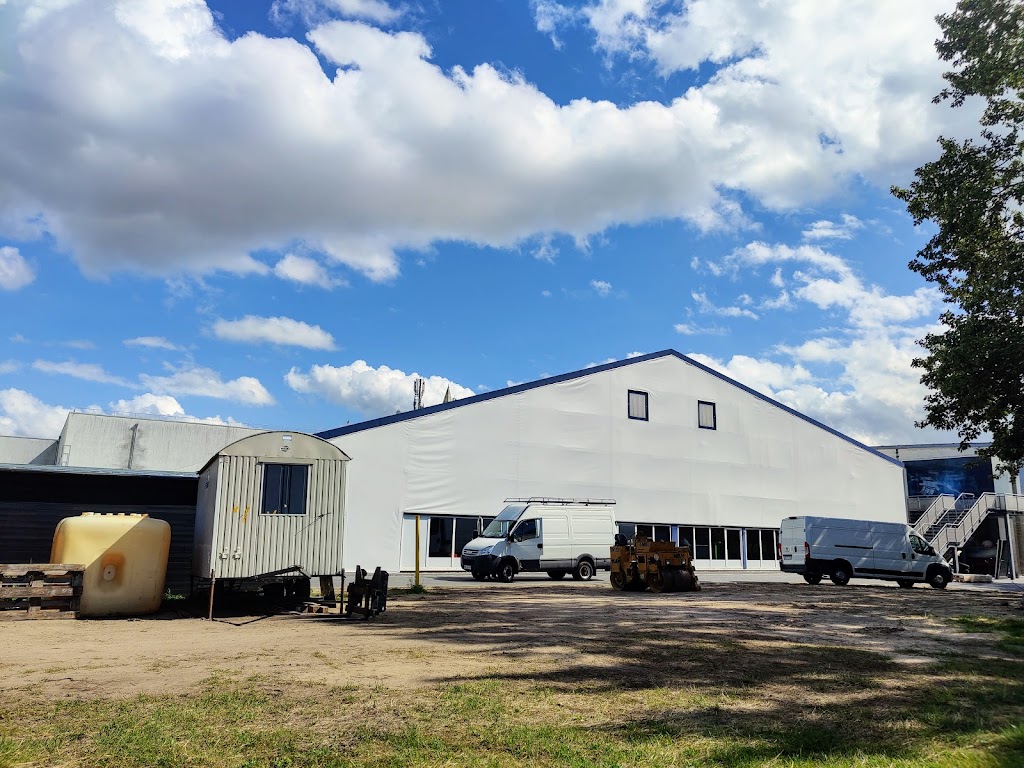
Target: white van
[(843, 549), (559, 536)]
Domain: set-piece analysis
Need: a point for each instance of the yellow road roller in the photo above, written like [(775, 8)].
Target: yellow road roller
[(639, 564)]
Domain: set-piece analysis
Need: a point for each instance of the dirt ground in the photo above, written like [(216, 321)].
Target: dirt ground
[(459, 633)]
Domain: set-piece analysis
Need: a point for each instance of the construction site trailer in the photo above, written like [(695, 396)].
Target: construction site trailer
[(269, 504)]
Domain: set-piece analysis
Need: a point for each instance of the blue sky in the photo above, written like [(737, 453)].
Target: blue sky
[(278, 213)]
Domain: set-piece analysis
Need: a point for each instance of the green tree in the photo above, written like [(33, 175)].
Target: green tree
[(974, 194)]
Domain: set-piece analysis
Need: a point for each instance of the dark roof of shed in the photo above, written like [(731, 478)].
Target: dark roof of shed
[(54, 469), (406, 415)]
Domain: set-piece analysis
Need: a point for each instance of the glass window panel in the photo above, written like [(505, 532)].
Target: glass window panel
[(686, 536), (527, 529), (718, 544), (768, 549), (702, 537), (439, 542), (645, 530), (296, 479), (627, 529), (273, 479), (662, 533), (464, 529), (706, 417), (732, 541), (753, 545), (638, 405)]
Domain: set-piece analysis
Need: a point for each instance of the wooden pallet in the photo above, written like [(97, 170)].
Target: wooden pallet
[(40, 591)]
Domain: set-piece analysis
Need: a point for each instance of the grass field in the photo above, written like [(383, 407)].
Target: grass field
[(649, 698)]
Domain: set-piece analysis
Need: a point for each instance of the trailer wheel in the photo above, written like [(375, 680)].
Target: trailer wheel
[(841, 573), (905, 583), (812, 578), (938, 578), (556, 574), (506, 571), (584, 571)]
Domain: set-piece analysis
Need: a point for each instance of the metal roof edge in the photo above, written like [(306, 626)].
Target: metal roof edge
[(441, 407), (484, 396), (54, 468)]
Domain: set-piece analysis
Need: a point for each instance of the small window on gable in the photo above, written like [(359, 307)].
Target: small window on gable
[(284, 489), (637, 405), (706, 417)]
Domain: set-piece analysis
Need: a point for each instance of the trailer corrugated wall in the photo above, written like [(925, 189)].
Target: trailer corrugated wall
[(236, 539)]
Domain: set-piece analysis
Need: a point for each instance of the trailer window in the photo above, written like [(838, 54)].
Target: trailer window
[(284, 489)]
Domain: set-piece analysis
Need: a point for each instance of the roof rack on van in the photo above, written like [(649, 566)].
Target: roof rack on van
[(554, 500)]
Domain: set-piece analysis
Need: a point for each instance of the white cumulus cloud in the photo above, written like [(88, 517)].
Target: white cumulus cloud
[(273, 330), (831, 230), (601, 287), (15, 271), (204, 382), (166, 406), (388, 151), (25, 415), (371, 391), (305, 271)]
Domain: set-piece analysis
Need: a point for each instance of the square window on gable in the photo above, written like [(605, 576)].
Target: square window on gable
[(638, 405), (706, 416)]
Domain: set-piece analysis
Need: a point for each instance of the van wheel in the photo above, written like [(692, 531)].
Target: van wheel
[(938, 579), (556, 574), (905, 583), (840, 575), (479, 576), (584, 571), (812, 578), (506, 571)]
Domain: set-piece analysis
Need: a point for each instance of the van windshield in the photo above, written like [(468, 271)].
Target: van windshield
[(499, 526)]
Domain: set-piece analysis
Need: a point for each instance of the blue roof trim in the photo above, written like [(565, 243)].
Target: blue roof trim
[(406, 415)]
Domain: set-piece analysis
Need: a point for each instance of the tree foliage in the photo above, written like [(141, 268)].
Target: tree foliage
[(974, 193)]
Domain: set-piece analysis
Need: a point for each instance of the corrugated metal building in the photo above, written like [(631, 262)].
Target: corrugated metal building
[(130, 442)]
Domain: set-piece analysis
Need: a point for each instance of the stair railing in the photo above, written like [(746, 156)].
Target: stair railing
[(934, 513), (958, 534)]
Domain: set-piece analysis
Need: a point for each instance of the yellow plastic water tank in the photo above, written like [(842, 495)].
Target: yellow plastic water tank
[(125, 559)]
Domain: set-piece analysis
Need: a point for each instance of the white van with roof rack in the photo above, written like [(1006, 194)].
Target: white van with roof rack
[(864, 549), (544, 534)]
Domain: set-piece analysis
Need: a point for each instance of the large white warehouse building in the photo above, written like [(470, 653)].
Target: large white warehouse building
[(685, 452)]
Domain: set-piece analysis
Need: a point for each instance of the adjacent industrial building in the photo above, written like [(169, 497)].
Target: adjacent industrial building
[(688, 455)]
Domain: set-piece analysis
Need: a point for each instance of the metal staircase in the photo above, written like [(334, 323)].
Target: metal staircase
[(949, 522)]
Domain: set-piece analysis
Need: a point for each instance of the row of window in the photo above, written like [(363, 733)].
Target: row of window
[(707, 418), (711, 542)]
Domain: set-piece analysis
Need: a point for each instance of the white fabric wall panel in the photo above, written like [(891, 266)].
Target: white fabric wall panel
[(574, 438)]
